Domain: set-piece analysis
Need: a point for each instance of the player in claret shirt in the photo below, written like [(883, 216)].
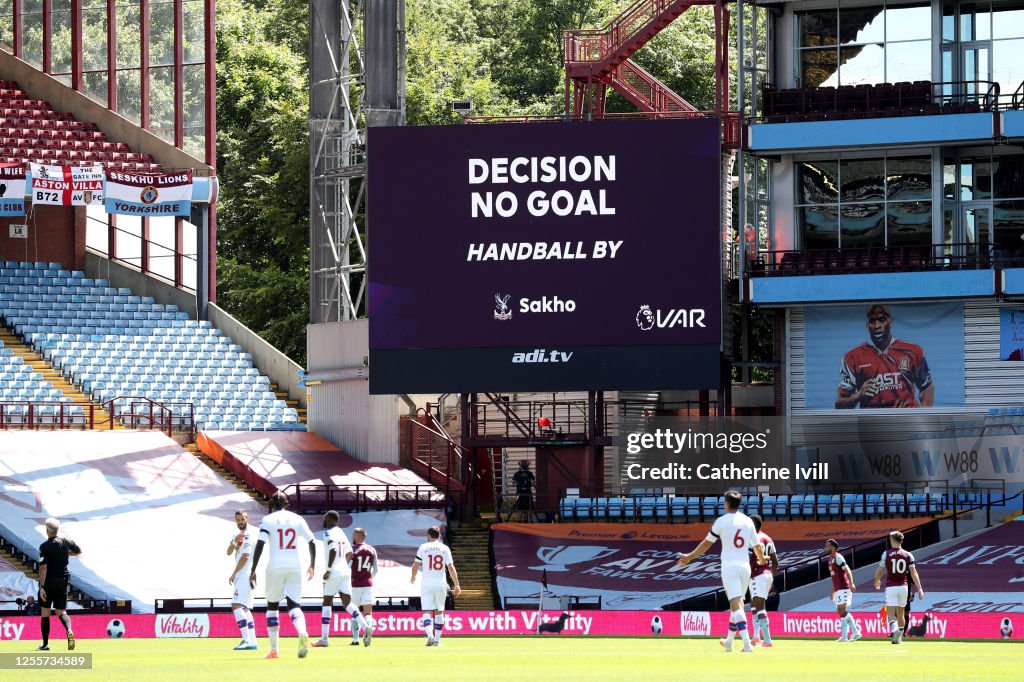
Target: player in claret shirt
[(887, 372), (897, 563), (761, 577), (363, 559), (843, 588)]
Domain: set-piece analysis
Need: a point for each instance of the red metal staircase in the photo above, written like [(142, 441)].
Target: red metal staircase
[(596, 59)]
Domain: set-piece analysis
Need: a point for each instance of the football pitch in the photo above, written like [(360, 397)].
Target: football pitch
[(535, 659)]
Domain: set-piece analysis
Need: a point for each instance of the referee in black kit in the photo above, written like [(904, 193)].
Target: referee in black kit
[(53, 581)]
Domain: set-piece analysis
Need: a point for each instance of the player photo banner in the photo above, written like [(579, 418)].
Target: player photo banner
[(1011, 334), (12, 189), (149, 194), (879, 355), (67, 185)]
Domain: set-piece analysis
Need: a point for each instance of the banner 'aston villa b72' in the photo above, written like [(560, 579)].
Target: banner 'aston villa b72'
[(67, 185), (149, 194)]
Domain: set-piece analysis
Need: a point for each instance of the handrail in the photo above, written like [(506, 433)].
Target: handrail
[(159, 415), (618, 30), (309, 497), (957, 256)]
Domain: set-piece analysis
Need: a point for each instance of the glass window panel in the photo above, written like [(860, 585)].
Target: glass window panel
[(862, 225), (161, 34), (861, 25), (161, 102), (819, 68), (818, 29), (128, 54), (908, 179), (818, 182), (862, 65), (1008, 22), (195, 111), (6, 25), (161, 261), (94, 39), (194, 31), (909, 223), (948, 21), (129, 98), (910, 22), (94, 85), (819, 226), (976, 179), (949, 179), (32, 39), (947, 229), (908, 61), (1009, 177), (60, 26), (975, 22), (862, 180), (129, 242), (1008, 66), (96, 229), (32, 7), (1009, 227)]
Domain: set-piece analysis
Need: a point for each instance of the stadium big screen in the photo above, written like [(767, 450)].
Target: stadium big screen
[(544, 256)]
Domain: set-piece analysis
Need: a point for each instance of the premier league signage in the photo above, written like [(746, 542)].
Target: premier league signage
[(543, 257)]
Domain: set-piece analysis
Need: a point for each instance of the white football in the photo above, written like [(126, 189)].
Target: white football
[(115, 629), (656, 625)]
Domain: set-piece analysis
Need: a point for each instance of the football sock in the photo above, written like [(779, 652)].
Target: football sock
[(44, 626), (852, 624), (438, 626), (250, 628), (243, 623), (369, 621), (298, 620), (325, 622), (762, 618), (273, 629), (355, 626), (741, 626), (65, 620), (357, 617), (892, 626)]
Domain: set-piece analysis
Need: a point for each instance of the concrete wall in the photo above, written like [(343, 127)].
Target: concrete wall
[(119, 275), (343, 412), (281, 369), (62, 98)]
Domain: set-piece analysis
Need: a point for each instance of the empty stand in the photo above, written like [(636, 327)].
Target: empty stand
[(316, 475), (31, 131), (131, 350)]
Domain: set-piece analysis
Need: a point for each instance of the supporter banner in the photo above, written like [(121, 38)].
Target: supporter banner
[(634, 565), (12, 189), (884, 356), (497, 623), (1011, 334), (159, 194), (67, 185)]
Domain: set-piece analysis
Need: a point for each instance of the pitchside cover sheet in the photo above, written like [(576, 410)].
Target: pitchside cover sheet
[(545, 256)]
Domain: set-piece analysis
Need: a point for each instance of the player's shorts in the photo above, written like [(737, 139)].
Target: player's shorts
[(761, 585), (341, 582), (283, 582), (56, 596), (843, 598), (736, 578), (432, 598), (243, 592), (896, 595), (362, 596)]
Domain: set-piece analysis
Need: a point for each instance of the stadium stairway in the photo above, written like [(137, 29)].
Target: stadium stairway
[(224, 473), (53, 375), (27, 565), (471, 551)]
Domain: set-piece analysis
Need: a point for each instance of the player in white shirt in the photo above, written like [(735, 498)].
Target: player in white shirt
[(241, 546), (736, 531), (337, 579), (282, 530), (433, 558)]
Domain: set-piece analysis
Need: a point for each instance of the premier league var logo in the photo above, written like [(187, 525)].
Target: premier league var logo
[(645, 318), (501, 309)]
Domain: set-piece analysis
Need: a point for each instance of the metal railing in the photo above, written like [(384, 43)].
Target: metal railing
[(308, 498), (924, 257), (162, 416)]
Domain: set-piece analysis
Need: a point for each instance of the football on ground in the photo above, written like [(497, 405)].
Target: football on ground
[(537, 659)]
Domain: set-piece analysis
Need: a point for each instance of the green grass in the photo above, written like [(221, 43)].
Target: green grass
[(533, 659)]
